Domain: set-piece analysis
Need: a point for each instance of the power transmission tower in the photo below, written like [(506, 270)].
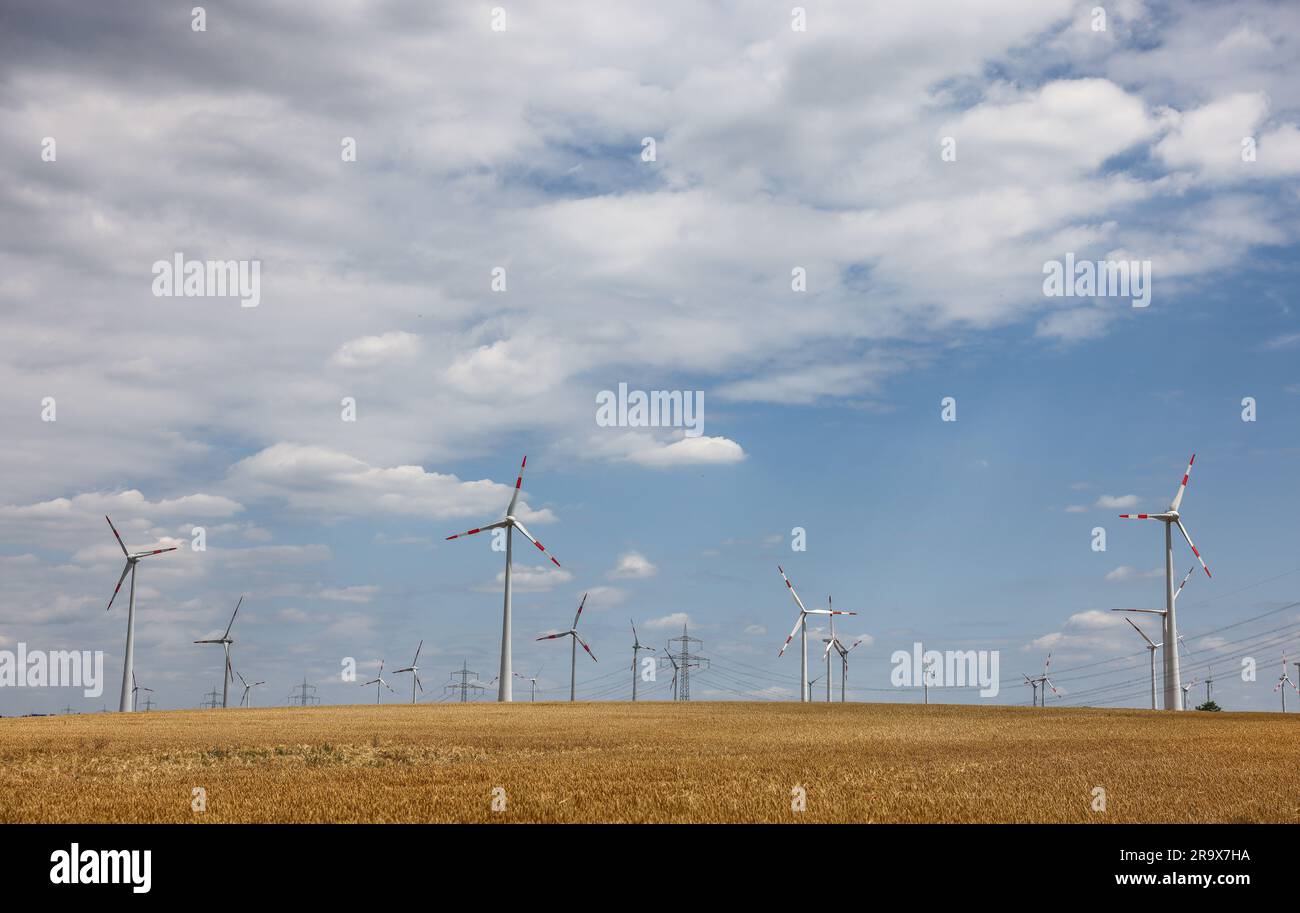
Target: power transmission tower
[(464, 685), (213, 700), (686, 661), (148, 703), (303, 695), (67, 710)]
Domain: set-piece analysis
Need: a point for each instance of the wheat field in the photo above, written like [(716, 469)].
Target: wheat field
[(651, 762)]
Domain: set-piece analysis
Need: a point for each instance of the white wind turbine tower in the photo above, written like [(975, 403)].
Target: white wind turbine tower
[(247, 699), (637, 647), (801, 628), (1172, 518), (1151, 648), (377, 681), (226, 643), (577, 639), (134, 691), (126, 702), (1033, 683), (1187, 686), (532, 681), (415, 673), (510, 524), (1285, 680)]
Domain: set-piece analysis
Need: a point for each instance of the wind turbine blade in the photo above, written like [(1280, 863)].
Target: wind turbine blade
[(519, 483), (232, 617), (1139, 630), (584, 645), (1050, 685), (241, 679), (417, 683), (542, 548), (117, 588), (480, 529), (1183, 530), (1182, 487), (120, 543), (1190, 572), (829, 643), (793, 632), (1138, 517), (579, 615), (790, 587), (552, 636), (417, 653), (157, 551)]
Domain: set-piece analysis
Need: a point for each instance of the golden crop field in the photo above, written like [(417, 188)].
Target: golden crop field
[(651, 762)]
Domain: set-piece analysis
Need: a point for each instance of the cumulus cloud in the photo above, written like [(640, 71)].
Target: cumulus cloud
[(1125, 573), (670, 622), (1116, 502), (632, 566)]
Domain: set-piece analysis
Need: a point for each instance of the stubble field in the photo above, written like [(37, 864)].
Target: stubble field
[(651, 762)]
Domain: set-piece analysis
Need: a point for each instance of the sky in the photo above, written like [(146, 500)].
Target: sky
[(916, 164)]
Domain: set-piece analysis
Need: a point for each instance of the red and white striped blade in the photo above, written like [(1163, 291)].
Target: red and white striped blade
[(479, 529), (125, 570), (1140, 632), (1182, 529), (529, 536), (552, 636), (519, 482), (1049, 684), (1138, 517), (579, 615), (1046, 665), (793, 632), (120, 543), (157, 551), (584, 646), (1190, 572), (790, 587), (1182, 486)]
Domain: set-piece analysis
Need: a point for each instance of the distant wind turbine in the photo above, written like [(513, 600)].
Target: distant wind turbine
[(226, 643), (577, 639), (126, 703), (378, 681), (247, 699), (135, 699), (637, 647), (1285, 680), (1152, 647), (415, 673)]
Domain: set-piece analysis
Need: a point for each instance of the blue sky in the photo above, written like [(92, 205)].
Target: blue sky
[(775, 150)]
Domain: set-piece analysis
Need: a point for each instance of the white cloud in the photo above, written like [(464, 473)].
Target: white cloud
[(348, 593), (671, 622), (690, 451), (1125, 573), (1116, 502), (368, 351), (525, 578), (327, 481), (632, 566)]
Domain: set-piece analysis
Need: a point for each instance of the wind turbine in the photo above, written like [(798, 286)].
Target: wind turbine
[(669, 653), (1187, 686), (1151, 648), (532, 681), (134, 689), (510, 524), (834, 641), (415, 672), (1033, 683), (226, 642), (247, 700), (577, 639), (1043, 680), (637, 647), (126, 703), (377, 681), (801, 628), (1172, 518), (1285, 680)]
